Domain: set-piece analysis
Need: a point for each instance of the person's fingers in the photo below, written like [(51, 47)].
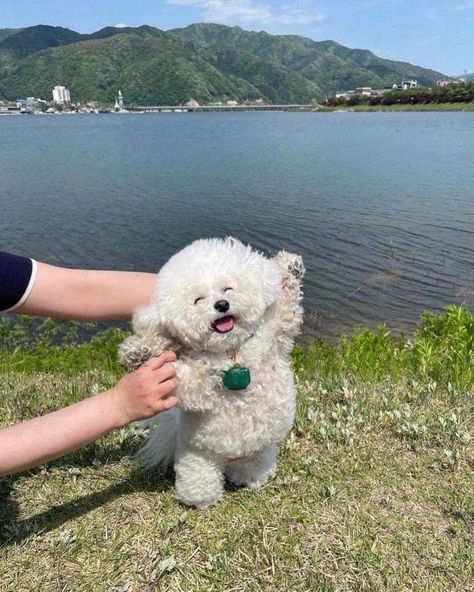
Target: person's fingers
[(158, 361), (167, 386), (169, 402), (165, 372)]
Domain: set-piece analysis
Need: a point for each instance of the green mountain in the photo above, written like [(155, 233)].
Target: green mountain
[(34, 39), (4, 33), (204, 61)]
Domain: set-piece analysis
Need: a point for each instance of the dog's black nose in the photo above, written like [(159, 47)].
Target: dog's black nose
[(222, 305)]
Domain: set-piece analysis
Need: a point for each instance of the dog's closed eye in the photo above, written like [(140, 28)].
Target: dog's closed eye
[(198, 299), (227, 289)]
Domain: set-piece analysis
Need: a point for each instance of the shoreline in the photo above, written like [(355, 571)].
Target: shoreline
[(423, 108), (427, 107)]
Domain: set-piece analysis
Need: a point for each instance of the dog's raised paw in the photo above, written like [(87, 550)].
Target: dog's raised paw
[(133, 352), (296, 267), (290, 263)]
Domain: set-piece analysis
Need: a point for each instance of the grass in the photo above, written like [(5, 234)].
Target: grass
[(374, 489)]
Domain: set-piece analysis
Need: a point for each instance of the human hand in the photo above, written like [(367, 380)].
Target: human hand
[(146, 391)]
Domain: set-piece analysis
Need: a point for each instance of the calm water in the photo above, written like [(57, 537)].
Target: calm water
[(380, 205)]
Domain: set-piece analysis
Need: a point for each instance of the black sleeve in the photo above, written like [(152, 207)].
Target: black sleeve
[(15, 276)]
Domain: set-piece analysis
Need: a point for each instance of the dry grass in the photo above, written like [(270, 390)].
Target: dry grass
[(374, 492)]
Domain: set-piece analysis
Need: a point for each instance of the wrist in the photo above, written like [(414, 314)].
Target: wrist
[(114, 409)]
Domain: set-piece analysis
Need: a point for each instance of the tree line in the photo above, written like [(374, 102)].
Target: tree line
[(453, 93)]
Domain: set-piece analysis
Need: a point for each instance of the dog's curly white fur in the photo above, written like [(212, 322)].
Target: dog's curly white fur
[(216, 432)]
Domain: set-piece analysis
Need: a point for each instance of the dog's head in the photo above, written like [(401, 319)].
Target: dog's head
[(212, 295)]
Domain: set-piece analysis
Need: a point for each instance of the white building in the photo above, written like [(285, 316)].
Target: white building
[(408, 84), (61, 95)]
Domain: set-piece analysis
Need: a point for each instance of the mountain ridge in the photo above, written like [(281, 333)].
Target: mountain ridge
[(205, 61)]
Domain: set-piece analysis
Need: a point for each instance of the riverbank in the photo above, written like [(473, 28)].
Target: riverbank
[(373, 492), (417, 107)]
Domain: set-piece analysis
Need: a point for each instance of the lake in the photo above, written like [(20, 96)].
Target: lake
[(380, 205)]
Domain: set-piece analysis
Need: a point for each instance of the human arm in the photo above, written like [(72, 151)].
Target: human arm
[(138, 395), (87, 295)]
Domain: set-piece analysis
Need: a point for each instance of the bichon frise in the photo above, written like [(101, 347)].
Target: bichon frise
[(231, 314)]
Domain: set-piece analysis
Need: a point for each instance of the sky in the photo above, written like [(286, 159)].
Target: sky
[(436, 34)]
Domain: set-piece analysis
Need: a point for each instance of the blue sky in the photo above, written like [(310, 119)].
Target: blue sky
[(437, 34)]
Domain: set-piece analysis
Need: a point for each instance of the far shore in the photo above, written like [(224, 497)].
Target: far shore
[(435, 107), (417, 107)]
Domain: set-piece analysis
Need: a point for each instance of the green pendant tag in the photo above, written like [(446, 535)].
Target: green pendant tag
[(237, 378)]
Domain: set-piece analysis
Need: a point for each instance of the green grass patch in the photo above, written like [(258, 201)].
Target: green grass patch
[(374, 488), (440, 350)]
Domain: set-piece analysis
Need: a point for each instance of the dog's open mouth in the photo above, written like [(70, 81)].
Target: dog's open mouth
[(224, 324)]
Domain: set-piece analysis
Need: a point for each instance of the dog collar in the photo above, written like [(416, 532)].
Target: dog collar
[(238, 377)]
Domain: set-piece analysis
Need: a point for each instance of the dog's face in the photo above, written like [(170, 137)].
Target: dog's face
[(212, 295)]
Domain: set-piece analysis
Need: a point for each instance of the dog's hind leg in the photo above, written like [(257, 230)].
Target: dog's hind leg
[(253, 472), (199, 477)]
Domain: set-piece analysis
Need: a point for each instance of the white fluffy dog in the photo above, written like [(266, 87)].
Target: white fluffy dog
[(231, 315)]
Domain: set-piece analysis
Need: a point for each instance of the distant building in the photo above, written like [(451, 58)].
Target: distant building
[(368, 91), (61, 95), (405, 85), (347, 94), (254, 102), (29, 104), (443, 83), (408, 84), (232, 103), (26, 103), (365, 91)]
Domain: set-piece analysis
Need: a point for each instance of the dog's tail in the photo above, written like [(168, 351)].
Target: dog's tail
[(158, 451)]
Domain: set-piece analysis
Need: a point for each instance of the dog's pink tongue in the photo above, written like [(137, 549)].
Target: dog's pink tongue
[(224, 324)]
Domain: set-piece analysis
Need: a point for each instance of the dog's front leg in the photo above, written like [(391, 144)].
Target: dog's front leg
[(199, 477), (289, 312), (253, 472), (137, 349), (199, 385)]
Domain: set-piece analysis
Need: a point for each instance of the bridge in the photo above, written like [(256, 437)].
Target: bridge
[(204, 108)]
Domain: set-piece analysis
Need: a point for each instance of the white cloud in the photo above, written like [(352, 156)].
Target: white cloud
[(251, 11), (121, 26)]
